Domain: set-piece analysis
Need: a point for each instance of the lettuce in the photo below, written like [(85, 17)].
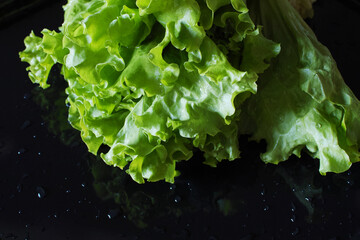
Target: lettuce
[(304, 7), (302, 100), (152, 80)]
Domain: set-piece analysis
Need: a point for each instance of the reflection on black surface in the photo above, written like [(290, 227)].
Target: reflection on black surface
[(12, 10), (235, 193), (53, 103), (352, 4)]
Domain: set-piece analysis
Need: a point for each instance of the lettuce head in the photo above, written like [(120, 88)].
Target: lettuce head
[(154, 79)]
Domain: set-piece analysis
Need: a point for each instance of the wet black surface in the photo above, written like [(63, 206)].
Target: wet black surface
[(51, 188), (12, 10)]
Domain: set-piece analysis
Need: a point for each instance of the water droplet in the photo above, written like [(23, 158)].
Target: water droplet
[(151, 56), (25, 125), (295, 232), (39, 153), (27, 237), (27, 96), (350, 182), (263, 191), (172, 186), (34, 136), (20, 212), (68, 191), (21, 151), (40, 192), (113, 213), (83, 185), (266, 208), (189, 186), (177, 199), (307, 199), (292, 207), (19, 187), (318, 125), (293, 218)]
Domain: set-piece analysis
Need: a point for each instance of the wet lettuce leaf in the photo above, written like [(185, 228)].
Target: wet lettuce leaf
[(153, 79), (302, 100)]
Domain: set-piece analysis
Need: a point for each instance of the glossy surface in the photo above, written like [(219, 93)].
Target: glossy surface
[(47, 189)]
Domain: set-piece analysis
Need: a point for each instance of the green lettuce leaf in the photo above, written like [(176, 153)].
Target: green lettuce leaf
[(153, 79), (302, 100)]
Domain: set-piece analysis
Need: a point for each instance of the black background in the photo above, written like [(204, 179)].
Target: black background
[(46, 187)]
